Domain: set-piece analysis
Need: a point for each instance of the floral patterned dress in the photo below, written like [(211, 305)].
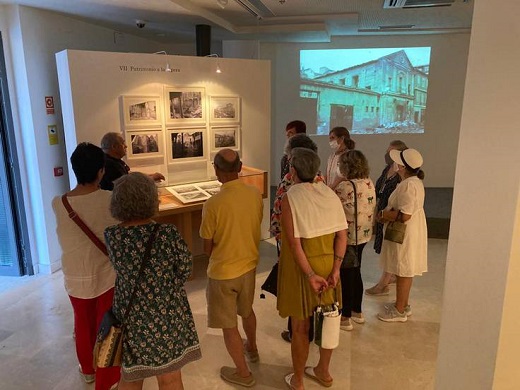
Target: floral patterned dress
[(160, 333)]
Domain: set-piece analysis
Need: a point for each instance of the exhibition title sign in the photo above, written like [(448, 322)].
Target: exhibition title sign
[(131, 68)]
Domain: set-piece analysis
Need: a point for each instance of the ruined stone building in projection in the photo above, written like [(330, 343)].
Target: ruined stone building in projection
[(379, 96)]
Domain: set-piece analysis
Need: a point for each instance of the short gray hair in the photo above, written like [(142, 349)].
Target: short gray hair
[(306, 162), (300, 140), (134, 197), (110, 140)]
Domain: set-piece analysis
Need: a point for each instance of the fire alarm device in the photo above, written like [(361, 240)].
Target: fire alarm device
[(58, 171)]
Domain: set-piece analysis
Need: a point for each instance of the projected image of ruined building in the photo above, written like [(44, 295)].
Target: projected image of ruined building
[(384, 95)]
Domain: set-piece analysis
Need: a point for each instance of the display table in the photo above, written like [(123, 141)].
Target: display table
[(187, 217)]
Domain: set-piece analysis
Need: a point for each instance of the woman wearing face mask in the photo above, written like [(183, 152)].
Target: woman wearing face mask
[(406, 260), (385, 185), (340, 142)]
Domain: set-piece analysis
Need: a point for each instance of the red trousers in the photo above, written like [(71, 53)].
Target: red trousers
[(87, 317)]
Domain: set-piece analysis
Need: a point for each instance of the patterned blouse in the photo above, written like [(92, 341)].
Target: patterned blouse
[(276, 216), (366, 203), (160, 333)]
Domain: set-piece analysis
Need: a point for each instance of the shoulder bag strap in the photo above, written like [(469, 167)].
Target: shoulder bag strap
[(75, 217), (146, 258), (355, 213)]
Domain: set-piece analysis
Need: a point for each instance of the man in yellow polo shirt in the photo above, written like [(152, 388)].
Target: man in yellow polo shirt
[(231, 231)]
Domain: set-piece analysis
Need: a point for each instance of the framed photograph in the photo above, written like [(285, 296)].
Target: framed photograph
[(195, 192), (211, 187), (185, 144), (225, 137), (184, 105), (141, 111), (224, 108), (145, 145), (182, 193)]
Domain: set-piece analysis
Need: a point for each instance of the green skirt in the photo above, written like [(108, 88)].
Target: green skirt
[(295, 295)]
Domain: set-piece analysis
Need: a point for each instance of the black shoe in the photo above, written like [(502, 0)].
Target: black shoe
[(286, 336)]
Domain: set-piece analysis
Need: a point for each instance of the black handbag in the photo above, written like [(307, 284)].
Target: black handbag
[(108, 349), (271, 282), (351, 258)]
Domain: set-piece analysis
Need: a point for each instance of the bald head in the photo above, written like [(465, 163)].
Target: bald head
[(227, 160)]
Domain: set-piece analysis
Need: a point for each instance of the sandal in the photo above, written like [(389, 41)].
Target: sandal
[(288, 379), (309, 373)]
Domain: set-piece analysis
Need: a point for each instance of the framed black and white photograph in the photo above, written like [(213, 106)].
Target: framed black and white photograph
[(224, 108), (195, 192), (139, 111), (210, 186), (185, 196), (145, 145), (185, 144), (225, 137), (184, 105)]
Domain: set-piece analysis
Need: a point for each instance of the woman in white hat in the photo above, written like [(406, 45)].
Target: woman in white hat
[(409, 259)]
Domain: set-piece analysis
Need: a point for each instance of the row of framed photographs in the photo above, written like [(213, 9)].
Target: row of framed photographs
[(186, 144), (182, 106)]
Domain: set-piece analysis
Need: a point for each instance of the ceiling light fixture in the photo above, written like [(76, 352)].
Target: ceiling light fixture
[(168, 67), (218, 70)]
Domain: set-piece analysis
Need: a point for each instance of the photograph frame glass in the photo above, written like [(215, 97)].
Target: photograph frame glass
[(186, 144), (223, 137), (224, 109), (184, 105), (145, 146), (141, 111)]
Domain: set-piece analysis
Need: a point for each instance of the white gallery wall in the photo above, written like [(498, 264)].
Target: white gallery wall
[(92, 84), (480, 328), (31, 37), (439, 142)]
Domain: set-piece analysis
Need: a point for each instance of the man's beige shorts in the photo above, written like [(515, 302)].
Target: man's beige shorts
[(227, 298)]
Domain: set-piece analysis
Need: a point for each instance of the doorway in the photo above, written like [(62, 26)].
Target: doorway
[(341, 115), (14, 253)]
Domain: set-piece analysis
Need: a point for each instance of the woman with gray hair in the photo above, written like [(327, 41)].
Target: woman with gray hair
[(160, 336), (299, 140), (313, 246)]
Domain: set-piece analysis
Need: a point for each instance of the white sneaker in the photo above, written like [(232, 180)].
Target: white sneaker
[(407, 308), (358, 318), (392, 315), (88, 378), (346, 324)]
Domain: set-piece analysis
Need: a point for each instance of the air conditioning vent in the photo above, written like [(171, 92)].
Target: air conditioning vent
[(416, 3)]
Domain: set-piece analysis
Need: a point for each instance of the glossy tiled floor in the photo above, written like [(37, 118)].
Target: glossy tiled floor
[(37, 351)]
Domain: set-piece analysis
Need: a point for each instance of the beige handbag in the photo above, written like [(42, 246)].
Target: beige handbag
[(109, 342), (395, 232)]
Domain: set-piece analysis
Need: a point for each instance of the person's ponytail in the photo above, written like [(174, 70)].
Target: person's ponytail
[(350, 144), (420, 174)]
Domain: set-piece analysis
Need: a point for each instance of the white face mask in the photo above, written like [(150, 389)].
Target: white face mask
[(333, 144)]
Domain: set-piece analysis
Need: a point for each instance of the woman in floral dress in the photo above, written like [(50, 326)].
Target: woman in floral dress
[(160, 336)]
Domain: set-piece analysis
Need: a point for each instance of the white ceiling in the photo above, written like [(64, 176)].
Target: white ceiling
[(281, 21)]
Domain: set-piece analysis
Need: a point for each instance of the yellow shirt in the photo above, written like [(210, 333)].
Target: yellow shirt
[(231, 219)]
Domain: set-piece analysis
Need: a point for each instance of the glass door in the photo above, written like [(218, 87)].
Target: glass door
[(14, 259)]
